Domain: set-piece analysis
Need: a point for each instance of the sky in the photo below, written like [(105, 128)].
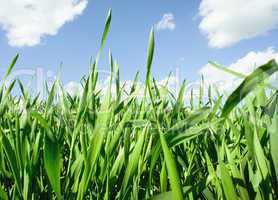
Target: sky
[(239, 34)]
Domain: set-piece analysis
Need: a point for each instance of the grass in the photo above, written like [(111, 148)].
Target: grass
[(98, 146)]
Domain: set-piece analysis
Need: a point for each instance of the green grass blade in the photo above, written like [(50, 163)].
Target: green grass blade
[(274, 140), (104, 34), (249, 83), (52, 164), (3, 194), (227, 183), (133, 161), (226, 69), (10, 153), (8, 72), (44, 124), (234, 73), (171, 169), (150, 55)]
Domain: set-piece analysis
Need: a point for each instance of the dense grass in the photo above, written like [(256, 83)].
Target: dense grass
[(124, 147)]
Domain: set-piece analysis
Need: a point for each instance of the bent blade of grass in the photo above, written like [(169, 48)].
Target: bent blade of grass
[(226, 69), (249, 83), (235, 73)]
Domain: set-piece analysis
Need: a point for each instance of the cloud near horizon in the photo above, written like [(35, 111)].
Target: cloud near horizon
[(26, 22), (245, 65), (227, 22), (171, 83)]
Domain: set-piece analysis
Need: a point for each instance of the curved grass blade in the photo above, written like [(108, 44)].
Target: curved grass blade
[(249, 83), (235, 73)]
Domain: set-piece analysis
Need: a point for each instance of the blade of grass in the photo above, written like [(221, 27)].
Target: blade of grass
[(52, 164), (249, 83)]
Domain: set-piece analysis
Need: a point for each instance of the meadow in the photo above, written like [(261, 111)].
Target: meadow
[(104, 146)]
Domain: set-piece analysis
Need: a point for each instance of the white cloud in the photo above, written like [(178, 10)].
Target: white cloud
[(245, 65), (166, 23), (73, 88), (26, 22), (227, 22)]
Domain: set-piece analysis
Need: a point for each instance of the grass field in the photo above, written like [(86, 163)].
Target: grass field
[(154, 147)]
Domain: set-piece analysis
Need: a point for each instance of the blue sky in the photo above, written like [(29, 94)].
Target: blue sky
[(185, 47)]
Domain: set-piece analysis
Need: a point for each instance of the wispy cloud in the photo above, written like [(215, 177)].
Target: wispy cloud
[(26, 22), (228, 22), (167, 22)]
